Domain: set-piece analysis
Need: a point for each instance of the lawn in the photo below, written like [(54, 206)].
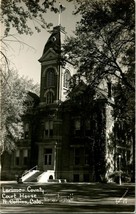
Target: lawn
[(67, 197)]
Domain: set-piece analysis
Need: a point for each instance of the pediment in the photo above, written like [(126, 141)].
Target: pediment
[(50, 54)]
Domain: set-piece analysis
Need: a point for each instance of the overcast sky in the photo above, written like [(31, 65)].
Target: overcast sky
[(24, 58)]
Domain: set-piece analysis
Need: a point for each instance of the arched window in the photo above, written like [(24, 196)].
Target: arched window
[(50, 77), (66, 79), (49, 97)]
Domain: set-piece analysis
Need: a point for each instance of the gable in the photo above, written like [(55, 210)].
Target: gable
[(31, 99), (48, 55)]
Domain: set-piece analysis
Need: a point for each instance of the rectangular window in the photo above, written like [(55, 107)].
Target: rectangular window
[(46, 132), (26, 130), (76, 177), (27, 127), (49, 128), (17, 157), (46, 128), (87, 127), (87, 124), (42, 130), (26, 135), (86, 156), (77, 156), (77, 127), (25, 156), (86, 177), (128, 156), (48, 156), (77, 160), (77, 124)]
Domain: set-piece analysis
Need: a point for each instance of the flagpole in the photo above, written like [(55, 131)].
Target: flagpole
[(61, 9), (59, 20)]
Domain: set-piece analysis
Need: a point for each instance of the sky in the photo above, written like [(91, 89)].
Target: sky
[(24, 57)]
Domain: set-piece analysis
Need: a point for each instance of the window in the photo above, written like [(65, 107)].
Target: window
[(77, 156), (87, 124), (50, 77), (49, 97), (25, 156), (66, 79), (48, 128), (48, 156), (86, 156), (26, 130), (17, 157), (41, 130), (76, 178), (86, 177), (77, 127), (128, 156)]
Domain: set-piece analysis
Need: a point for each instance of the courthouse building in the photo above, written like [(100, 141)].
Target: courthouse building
[(65, 137)]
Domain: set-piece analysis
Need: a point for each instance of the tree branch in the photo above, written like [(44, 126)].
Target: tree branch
[(124, 79)]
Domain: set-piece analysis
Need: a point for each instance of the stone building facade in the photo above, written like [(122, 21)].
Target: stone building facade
[(65, 138)]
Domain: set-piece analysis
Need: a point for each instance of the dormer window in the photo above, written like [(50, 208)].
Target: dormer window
[(66, 79), (50, 77)]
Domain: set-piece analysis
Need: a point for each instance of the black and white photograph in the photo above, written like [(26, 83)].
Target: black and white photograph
[(67, 106)]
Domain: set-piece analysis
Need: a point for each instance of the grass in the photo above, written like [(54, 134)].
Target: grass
[(78, 197)]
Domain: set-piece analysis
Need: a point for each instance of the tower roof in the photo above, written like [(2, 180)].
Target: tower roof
[(55, 40)]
